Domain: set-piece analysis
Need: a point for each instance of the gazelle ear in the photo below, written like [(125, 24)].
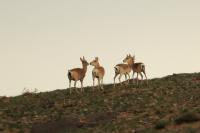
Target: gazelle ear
[(96, 58), (81, 59)]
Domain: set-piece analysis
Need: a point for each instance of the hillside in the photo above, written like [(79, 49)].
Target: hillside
[(168, 105)]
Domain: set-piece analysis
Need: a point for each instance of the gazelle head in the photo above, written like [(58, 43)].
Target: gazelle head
[(84, 62), (129, 59), (95, 62)]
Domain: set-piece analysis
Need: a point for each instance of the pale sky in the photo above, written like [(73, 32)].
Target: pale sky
[(41, 39)]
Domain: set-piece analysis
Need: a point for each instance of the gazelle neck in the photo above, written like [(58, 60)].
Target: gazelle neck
[(97, 65), (85, 68), (130, 63)]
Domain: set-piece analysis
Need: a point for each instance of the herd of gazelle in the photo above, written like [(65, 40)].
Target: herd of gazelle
[(98, 72)]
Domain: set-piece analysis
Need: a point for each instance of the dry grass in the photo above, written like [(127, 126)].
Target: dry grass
[(124, 109)]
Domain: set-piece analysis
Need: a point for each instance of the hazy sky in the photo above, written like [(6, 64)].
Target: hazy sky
[(41, 39)]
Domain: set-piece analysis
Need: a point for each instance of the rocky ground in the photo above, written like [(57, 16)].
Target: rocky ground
[(167, 105)]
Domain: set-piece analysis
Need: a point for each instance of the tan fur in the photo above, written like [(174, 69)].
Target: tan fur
[(139, 67), (122, 69), (98, 72), (77, 74)]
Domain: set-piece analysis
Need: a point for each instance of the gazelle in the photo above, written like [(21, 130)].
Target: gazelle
[(122, 69), (77, 74), (138, 68), (98, 72)]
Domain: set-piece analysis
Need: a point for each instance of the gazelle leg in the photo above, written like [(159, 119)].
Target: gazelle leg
[(70, 83), (70, 86), (99, 86), (70, 89), (82, 89), (120, 79), (141, 76), (137, 78), (129, 77), (115, 78), (133, 76), (75, 86), (102, 84), (125, 76), (93, 82), (145, 77)]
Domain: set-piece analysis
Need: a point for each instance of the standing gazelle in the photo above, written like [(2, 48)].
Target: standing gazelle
[(77, 74), (98, 72), (122, 69), (139, 67)]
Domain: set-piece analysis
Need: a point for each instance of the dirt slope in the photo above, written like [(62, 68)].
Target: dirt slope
[(168, 105)]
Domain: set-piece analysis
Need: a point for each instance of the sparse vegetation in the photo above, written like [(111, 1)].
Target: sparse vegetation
[(170, 104)]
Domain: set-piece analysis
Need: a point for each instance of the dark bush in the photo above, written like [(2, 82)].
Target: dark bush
[(161, 124), (187, 118)]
